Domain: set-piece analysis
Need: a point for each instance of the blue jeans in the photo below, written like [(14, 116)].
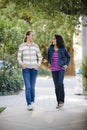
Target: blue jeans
[(29, 76), (58, 77)]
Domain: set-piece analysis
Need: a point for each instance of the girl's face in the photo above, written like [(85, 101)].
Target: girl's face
[(31, 37), (54, 40)]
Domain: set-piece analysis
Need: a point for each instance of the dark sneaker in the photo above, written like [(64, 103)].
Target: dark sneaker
[(59, 105)]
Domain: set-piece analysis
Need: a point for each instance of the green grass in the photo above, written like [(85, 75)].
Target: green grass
[(2, 109)]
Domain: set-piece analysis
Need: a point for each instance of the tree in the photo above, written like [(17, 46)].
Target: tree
[(45, 24), (11, 35), (71, 7)]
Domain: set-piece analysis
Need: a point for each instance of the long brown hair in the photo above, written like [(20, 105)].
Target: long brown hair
[(27, 33), (60, 41)]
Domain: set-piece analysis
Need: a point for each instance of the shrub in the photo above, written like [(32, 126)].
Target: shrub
[(10, 83), (2, 109), (43, 71), (84, 73)]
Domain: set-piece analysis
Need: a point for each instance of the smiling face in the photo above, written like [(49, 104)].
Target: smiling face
[(31, 36)]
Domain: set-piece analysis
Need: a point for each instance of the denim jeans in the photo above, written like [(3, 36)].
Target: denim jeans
[(58, 77), (29, 76)]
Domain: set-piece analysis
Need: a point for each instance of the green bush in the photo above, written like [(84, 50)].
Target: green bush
[(2, 109), (11, 82), (84, 73), (43, 71)]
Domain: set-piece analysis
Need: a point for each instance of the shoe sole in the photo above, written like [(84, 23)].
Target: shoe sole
[(30, 109), (59, 106)]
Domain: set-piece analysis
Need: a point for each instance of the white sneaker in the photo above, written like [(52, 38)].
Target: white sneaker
[(29, 107), (33, 104)]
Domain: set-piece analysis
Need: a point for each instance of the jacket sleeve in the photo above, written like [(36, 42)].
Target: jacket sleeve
[(39, 56), (19, 56), (48, 56), (68, 57)]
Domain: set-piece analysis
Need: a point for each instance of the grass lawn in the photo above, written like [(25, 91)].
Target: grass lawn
[(2, 109)]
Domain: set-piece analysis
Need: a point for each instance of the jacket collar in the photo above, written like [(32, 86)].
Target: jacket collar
[(29, 44)]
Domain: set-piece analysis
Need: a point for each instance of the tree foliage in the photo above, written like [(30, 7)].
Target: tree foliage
[(18, 16), (71, 7), (84, 73), (16, 20)]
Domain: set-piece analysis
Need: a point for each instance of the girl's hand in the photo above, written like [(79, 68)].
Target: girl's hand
[(49, 66), (36, 68), (23, 66), (65, 67)]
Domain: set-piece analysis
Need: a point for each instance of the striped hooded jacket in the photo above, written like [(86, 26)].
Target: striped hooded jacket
[(29, 55)]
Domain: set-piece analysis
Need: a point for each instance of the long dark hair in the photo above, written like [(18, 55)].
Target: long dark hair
[(27, 33), (60, 41)]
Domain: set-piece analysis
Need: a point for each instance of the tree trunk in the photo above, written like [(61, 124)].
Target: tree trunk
[(71, 69), (84, 37)]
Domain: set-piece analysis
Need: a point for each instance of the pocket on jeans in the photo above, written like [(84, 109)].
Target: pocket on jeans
[(23, 68), (36, 69)]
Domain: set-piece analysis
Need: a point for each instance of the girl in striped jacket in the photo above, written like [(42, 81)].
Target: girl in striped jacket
[(29, 57)]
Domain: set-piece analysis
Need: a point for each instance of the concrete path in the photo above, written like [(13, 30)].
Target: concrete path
[(73, 116)]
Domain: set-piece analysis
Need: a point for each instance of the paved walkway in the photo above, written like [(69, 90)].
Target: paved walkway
[(73, 116)]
